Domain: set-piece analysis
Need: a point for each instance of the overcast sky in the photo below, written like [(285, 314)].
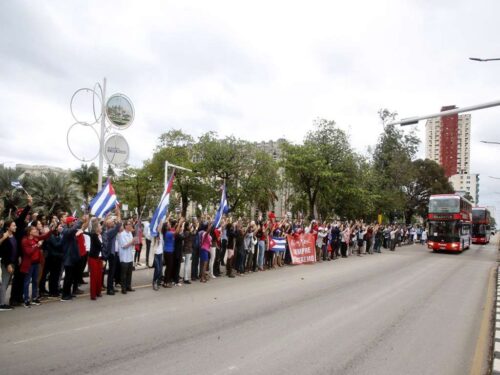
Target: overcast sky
[(260, 70)]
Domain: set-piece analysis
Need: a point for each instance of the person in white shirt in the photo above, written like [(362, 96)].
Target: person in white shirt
[(126, 245), (423, 237), (158, 258), (147, 235)]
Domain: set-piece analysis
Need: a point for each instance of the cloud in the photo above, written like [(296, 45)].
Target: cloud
[(256, 70)]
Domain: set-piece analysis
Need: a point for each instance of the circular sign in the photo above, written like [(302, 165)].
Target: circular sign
[(81, 101), (116, 150), (81, 140), (120, 111)]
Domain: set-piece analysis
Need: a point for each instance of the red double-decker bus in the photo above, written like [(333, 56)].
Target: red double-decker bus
[(449, 222), (481, 221)]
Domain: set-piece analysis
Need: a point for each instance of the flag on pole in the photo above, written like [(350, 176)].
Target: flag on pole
[(16, 184), (223, 208), (161, 210), (104, 201)]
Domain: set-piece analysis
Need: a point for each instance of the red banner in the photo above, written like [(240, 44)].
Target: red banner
[(302, 248)]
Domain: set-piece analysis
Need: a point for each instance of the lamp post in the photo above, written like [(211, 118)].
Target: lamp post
[(117, 112), (167, 164), (483, 60), (414, 120), (490, 142)]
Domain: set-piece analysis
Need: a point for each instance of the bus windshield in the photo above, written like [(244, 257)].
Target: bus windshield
[(479, 229), (437, 205), (449, 231), (478, 215)]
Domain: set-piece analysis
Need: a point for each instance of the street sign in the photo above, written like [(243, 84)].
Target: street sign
[(120, 111), (116, 150)]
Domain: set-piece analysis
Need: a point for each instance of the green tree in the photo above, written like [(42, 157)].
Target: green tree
[(53, 192), (469, 197), (428, 178), (86, 178), (10, 197), (135, 187), (177, 148), (319, 168), (250, 175), (392, 165), (110, 172)]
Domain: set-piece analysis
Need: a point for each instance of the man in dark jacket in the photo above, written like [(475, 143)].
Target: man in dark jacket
[(110, 253), (16, 293), (54, 260), (71, 252), (8, 255)]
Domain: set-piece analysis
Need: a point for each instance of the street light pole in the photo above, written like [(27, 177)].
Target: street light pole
[(483, 60), (167, 164), (101, 136), (414, 120), (491, 142)]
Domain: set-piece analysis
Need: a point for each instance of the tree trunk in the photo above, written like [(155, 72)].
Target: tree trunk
[(184, 204)]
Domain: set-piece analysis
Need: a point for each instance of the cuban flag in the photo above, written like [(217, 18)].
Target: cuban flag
[(223, 208), (104, 201), (277, 244), (161, 210)]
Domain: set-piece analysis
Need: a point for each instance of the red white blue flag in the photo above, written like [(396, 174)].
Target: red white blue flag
[(104, 201), (161, 210)]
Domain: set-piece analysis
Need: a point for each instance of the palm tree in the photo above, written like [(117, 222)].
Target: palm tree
[(86, 179), (10, 197), (53, 192)]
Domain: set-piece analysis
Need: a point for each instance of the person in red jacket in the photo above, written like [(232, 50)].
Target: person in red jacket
[(30, 263)]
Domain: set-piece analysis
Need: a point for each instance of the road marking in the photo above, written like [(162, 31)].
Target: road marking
[(483, 338)]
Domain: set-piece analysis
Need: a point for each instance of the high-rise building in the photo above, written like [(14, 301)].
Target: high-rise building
[(447, 142)]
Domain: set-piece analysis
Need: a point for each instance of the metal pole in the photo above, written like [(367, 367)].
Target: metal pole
[(101, 136), (416, 119), (483, 60), (490, 142), (167, 164), (166, 175)]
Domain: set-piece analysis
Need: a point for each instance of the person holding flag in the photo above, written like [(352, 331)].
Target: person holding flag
[(16, 291), (17, 185), (110, 250), (223, 209), (104, 201), (216, 224)]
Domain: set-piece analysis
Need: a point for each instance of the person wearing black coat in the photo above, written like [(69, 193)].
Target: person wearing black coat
[(16, 292), (54, 260)]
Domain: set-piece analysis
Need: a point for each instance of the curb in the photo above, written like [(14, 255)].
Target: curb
[(496, 339)]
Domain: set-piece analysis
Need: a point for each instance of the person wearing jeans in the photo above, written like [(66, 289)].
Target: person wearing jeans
[(8, 251), (157, 261), (261, 236), (31, 263), (262, 251), (126, 245)]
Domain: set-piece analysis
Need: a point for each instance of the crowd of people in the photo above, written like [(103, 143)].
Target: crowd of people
[(51, 254)]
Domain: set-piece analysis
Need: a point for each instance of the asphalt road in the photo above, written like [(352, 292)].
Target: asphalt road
[(403, 312)]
